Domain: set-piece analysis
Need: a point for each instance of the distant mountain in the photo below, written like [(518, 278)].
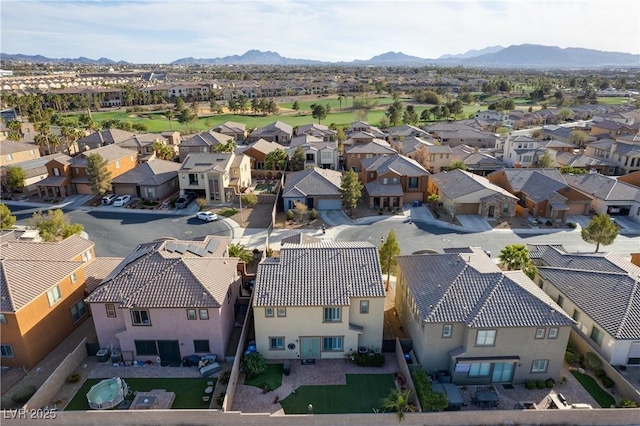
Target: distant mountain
[(393, 58), (473, 53), (538, 56), (44, 59), (252, 57)]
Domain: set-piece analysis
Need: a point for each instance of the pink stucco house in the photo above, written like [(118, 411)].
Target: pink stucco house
[(169, 299)]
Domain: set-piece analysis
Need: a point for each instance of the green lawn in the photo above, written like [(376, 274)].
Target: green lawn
[(613, 100), (361, 394), (602, 397), (270, 377), (189, 392)]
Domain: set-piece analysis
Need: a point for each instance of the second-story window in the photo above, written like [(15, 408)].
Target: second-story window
[(140, 317), (193, 178), (332, 314), (486, 338), (413, 182)]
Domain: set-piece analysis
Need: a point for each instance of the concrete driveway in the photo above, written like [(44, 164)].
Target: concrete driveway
[(335, 217), (474, 222)]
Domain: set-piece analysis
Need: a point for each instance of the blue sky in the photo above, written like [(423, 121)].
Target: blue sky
[(146, 31)]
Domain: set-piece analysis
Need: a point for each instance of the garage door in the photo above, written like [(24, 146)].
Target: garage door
[(577, 209), (328, 204)]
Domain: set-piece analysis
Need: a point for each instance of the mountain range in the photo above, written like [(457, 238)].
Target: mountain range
[(515, 56)]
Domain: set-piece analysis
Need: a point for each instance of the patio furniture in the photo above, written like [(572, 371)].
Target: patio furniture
[(205, 398), (487, 398), (208, 389), (210, 370)]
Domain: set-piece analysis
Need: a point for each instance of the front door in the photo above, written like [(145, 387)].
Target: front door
[(169, 351), (309, 347), (492, 211), (502, 372)]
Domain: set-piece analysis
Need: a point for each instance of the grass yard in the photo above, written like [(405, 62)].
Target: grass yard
[(361, 394), (614, 100), (271, 377), (189, 392), (602, 397)]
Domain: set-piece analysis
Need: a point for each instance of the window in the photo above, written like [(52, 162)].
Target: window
[(310, 157), (111, 310), (78, 311), (87, 256), (332, 344), (76, 171), (480, 369), (117, 164), (54, 295), (31, 152), (282, 312), (191, 314), (539, 366), (364, 306), (131, 158), (276, 343), (8, 157), (385, 181), (413, 182), (355, 169), (597, 336), (74, 278), (204, 314), (395, 181), (560, 300), (268, 312), (140, 317), (146, 347), (576, 315), (446, 331), (540, 333), (553, 333), (486, 338), (3, 319), (6, 351), (505, 208), (332, 314), (193, 179), (201, 346), (56, 171)]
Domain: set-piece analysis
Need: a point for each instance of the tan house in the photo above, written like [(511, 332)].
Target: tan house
[(42, 286), (102, 138), (304, 309), (215, 177), (143, 144), (237, 131), (68, 175), (15, 152), (543, 193), (478, 323), (152, 180), (624, 153), (202, 142), (393, 180), (462, 192), (354, 154), (275, 132), (314, 187), (614, 129), (258, 150)]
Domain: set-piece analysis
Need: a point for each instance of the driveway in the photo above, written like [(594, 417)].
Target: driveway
[(474, 222), (335, 217)]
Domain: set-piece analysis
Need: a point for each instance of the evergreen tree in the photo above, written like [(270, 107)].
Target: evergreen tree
[(601, 230), (6, 219), (98, 174), (388, 252), (297, 159), (351, 190)]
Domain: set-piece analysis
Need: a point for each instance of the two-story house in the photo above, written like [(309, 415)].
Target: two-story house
[(605, 304), (275, 132), (354, 154), (215, 177), (623, 152), (393, 180), (152, 180), (103, 137), (202, 142), (304, 309), (523, 151), (143, 144), (317, 151), (42, 286), (15, 152), (318, 130), (614, 129), (399, 133), (236, 131), (258, 151), (314, 187), (479, 323), (164, 301), (364, 127)]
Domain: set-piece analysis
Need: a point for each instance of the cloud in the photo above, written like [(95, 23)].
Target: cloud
[(334, 30)]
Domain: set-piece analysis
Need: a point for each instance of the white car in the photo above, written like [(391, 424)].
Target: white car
[(207, 216), (122, 200)]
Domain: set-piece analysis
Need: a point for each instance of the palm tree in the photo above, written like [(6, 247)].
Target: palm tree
[(399, 401), (340, 98), (241, 252), (169, 115)]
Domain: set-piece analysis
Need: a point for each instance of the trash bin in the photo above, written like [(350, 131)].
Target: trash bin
[(286, 367)]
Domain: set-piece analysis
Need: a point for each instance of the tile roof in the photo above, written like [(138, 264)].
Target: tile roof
[(370, 148), (170, 274), (602, 262), (37, 166), (538, 184), (396, 163), (273, 128), (312, 182), (109, 153), (196, 162), (144, 139), (265, 146), (61, 250), (603, 187), (612, 300), (152, 173), (22, 281), (106, 137), (9, 147), (581, 160), (469, 288), (537, 250), (458, 183), (230, 126), (411, 144), (209, 138), (376, 189), (321, 274), (98, 270)]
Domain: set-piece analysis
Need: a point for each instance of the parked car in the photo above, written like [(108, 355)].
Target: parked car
[(185, 199), (109, 198), (207, 216), (122, 200)]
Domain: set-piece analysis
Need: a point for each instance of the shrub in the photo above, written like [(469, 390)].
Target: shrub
[(253, 364), (249, 200), (548, 222), (220, 398), (530, 384), (24, 394), (201, 202), (289, 214), (540, 384), (593, 361), (627, 403), (225, 376), (73, 378), (369, 359), (313, 215), (607, 382), (571, 358), (549, 383), (572, 225), (430, 400), (600, 374)]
